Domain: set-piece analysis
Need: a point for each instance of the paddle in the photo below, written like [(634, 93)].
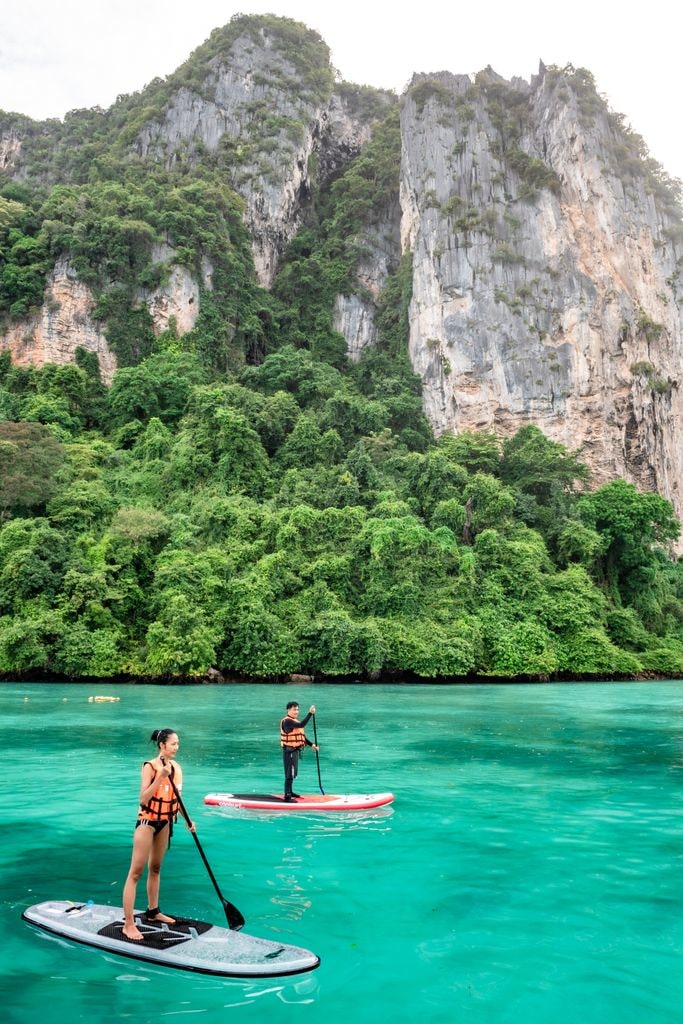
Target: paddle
[(317, 758), (232, 914)]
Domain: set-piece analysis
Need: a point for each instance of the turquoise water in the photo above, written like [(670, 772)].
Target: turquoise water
[(529, 870)]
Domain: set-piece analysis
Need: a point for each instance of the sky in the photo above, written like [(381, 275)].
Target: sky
[(58, 55)]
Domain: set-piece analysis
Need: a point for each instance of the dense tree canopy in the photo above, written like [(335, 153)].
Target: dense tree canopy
[(275, 520)]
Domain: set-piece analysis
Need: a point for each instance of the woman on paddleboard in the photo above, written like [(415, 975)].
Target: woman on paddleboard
[(158, 811)]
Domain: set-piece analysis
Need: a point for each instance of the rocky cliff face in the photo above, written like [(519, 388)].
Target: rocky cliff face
[(65, 321), (175, 303), (545, 277), (354, 315), (546, 257), (242, 93), (253, 110), (10, 147)]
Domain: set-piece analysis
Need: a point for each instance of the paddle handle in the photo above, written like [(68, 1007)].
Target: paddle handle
[(317, 756)]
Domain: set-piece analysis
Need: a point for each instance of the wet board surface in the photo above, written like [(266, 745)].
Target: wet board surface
[(309, 802), (187, 945)]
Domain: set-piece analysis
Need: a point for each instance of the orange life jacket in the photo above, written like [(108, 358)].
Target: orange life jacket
[(163, 803), (295, 739)]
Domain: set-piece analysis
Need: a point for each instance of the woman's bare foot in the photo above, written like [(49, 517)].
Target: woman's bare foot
[(164, 918), (132, 932)]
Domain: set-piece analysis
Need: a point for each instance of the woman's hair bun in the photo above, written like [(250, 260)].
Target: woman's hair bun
[(160, 736)]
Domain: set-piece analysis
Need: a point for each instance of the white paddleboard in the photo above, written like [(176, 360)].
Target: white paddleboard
[(188, 944)]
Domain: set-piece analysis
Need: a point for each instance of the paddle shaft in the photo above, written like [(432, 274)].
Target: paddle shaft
[(232, 915), (317, 756)]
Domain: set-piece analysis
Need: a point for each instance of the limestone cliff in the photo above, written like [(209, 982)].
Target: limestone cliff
[(545, 273), (10, 147), (176, 302), (66, 322), (546, 248), (276, 133), (354, 314)]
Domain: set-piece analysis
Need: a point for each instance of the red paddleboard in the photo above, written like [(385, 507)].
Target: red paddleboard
[(315, 802)]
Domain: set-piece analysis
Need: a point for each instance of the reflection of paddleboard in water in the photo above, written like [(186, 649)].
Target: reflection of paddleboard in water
[(188, 945), (315, 802)]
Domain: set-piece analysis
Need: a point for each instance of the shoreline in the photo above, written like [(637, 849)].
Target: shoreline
[(216, 678)]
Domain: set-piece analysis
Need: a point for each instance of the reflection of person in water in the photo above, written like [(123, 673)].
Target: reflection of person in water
[(292, 740), (294, 883)]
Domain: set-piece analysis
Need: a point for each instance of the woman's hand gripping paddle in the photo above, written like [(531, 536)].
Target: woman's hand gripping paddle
[(232, 914)]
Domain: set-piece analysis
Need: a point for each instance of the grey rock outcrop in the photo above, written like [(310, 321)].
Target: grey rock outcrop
[(544, 286), (340, 133), (10, 148), (355, 315), (253, 109), (66, 322), (176, 302)]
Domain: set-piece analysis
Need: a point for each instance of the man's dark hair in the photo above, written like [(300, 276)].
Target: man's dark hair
[(292, 704)]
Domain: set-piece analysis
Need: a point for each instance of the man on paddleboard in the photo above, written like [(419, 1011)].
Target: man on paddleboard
[(292, 740)]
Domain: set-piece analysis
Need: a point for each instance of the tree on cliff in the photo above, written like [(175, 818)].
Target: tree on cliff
[(30, 457)]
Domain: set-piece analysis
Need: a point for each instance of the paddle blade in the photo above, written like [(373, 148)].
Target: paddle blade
[(233, 916)]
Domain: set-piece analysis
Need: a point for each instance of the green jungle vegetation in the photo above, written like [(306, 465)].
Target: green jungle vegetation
[(243, 498)]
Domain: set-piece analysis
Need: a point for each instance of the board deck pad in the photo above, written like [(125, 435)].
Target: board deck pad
[(187, 945), (158, 934), (308, 802)]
